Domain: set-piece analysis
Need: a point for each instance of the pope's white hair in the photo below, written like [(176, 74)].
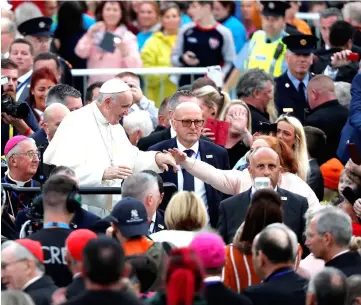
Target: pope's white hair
[(103, 96), (16, 149), (138, 120)]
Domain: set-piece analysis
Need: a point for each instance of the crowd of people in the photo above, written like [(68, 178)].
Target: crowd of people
[(242, 187)]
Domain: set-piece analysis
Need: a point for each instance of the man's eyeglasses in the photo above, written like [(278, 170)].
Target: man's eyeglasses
[(31, 154), (188, 123)]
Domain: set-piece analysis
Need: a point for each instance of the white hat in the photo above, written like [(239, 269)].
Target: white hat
[(114, 85), (4, 5)]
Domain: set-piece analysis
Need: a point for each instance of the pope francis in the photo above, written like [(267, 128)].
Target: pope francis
[(93, 143)]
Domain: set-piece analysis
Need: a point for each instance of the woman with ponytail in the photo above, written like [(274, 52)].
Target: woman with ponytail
[(183, 280)]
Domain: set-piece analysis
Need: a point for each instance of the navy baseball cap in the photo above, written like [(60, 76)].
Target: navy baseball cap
[(39, 27), (130, 216), (301, 44), (274, 8)]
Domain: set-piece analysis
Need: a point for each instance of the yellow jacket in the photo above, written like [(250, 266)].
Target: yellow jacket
[(157, 53)]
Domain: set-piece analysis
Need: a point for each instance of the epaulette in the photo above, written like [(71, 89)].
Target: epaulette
[(66, 62)]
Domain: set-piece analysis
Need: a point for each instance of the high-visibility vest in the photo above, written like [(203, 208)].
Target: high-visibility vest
[(262, 55)]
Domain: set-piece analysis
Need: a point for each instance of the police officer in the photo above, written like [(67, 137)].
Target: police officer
[(37, 32), (291, 86), (265, 50)]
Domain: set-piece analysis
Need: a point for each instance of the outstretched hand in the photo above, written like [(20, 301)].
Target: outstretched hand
[(165, 159), (178, 155)]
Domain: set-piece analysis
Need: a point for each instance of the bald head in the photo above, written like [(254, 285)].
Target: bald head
[(320, 89), (53, 115), (187, 107), (262, 152)]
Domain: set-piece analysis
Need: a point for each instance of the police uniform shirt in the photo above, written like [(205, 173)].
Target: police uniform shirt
[(53, 244)]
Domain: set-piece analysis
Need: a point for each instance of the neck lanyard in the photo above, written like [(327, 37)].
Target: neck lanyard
[(278, 274), (23, 83), (13, 194), (57, 225)]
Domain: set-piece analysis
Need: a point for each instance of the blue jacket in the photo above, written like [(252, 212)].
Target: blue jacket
[(210, 153), (238, 32), (352, 129)]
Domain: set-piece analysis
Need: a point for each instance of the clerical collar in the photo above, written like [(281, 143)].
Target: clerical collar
[(10, 180), (212, 279), (33, 280), (98, 114)]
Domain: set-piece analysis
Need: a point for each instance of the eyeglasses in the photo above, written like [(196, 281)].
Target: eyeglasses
[(188, 123), (5, 265), (31, 154)]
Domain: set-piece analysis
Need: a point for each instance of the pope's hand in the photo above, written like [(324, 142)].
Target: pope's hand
[(117, 172), (178, 155), (165, 159), (59, 296)]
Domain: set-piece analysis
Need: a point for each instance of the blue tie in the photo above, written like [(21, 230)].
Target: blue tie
[(188, 179), (301, 91)]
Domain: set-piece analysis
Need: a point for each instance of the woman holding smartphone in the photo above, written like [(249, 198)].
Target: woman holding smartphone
[(111, 17)]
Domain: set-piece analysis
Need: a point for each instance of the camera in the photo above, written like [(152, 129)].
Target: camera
[(10, 107)]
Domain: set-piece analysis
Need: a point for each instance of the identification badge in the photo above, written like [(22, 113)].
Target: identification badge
[(260, 57)]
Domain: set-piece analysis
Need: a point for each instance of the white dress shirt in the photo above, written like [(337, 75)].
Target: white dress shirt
[(22, 79), (199, 187), (33, 280), (152, 224)]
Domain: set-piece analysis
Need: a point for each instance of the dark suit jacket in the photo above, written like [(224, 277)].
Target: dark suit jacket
[(286, 289), (219, 160), (315, 179), (330, 117), (157, 137), (286, 96), (218, 294), (41, 290), (257, 116), (159, 224), (40, 138), (349, 263), (233, 212), (75, 288)]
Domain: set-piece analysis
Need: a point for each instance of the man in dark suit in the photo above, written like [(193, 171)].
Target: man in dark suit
[(264, 162), (274, 253), (168, 133), (328, 236), (188, 123), (291, 86), (147, 187), (326, 113)]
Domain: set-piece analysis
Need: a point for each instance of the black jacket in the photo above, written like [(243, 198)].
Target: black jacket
[(279, 288), (330, 117), (41, 290), (210, 153), (349, 263), (217, 294), (233, 212), (315, 179), (75, 288)]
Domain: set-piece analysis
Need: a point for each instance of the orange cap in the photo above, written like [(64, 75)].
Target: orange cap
[(331, 172)]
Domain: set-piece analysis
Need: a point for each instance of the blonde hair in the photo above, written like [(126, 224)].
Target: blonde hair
[(300, 149), (212, 98), (15, 297), (186, 211), (272, 110), (242, 103)]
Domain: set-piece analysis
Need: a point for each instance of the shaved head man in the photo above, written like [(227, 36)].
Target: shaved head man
[(53, 115), (320, 89), (188, 123), (265, 162)]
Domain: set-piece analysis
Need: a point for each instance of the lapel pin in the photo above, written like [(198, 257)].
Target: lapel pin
[(283, 198), (160, 226), (287, 85), (209, 156)]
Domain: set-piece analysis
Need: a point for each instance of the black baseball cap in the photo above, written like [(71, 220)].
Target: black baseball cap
[(130, 216), (39, 27), (301, 44), (275, 8)]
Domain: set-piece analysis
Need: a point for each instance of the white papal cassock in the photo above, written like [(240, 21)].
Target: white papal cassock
[(88, 144)]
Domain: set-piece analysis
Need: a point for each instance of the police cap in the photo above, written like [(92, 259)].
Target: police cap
[(301, 44), (39, 26), (275, 8)]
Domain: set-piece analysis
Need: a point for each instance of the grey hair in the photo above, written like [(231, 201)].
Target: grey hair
[(343, 93), (251, 80), (352, 11), (332, 11), (138, 120), (354, 288), (59, 93), (139, 185), (10, 25), (16, 297), (16, 149), (20, 252), (175, 98), (311, 212), (335, 221), (329, 286), (26, 11)]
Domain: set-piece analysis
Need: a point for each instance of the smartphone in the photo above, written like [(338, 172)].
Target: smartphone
[(350, 195), (212, 124), (354, 57), (107, 43), (354, 155), (262, 183), (220, 130)]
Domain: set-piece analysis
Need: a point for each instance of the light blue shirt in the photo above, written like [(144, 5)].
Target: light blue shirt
[(296, 82)]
